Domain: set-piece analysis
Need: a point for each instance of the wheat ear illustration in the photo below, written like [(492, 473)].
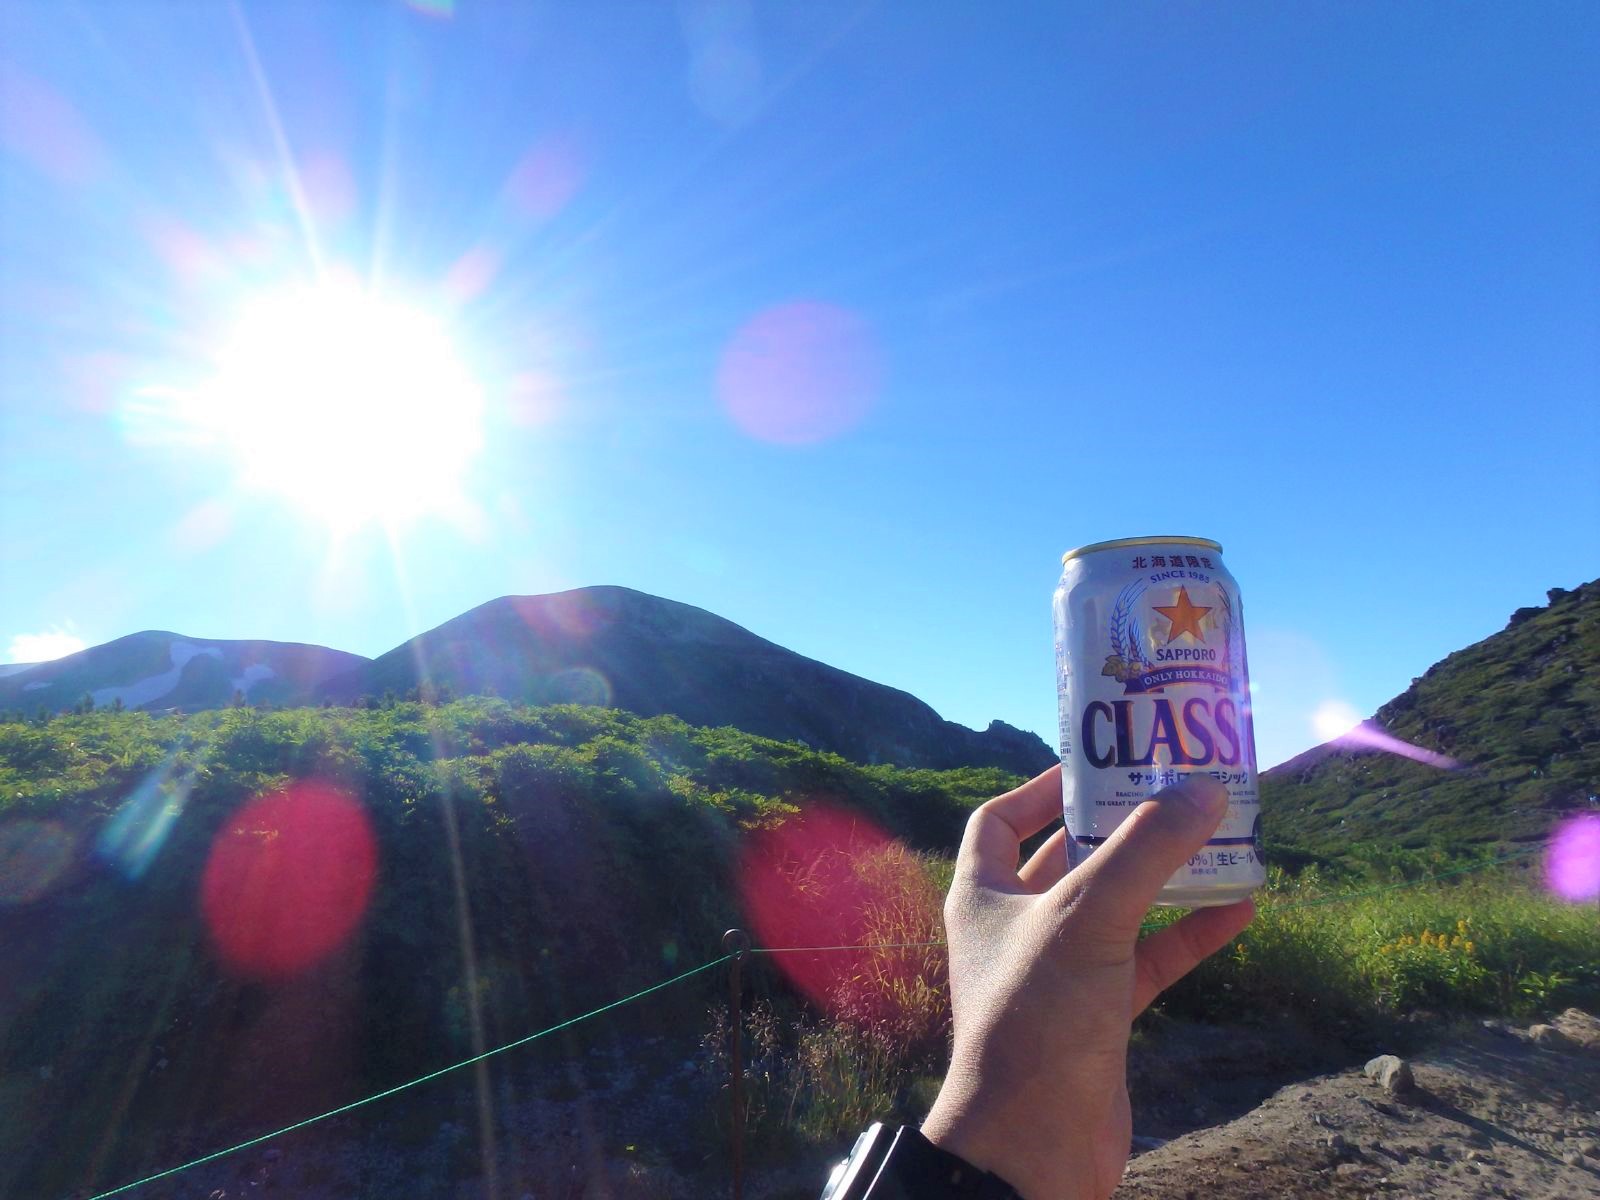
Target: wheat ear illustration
[(1124, 647), (1136, 644), (1227, 627)]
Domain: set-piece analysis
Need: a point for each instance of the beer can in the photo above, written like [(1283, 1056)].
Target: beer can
[(1153, 687)]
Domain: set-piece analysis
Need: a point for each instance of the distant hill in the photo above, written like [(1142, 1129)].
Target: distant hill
[(616, 646), (158, 670), (1520, 711)]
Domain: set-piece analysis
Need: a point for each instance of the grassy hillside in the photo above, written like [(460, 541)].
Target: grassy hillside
[(1520, 710), (530, 863)]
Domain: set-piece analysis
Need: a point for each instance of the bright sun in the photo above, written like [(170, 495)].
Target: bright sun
[(353, 406), (1333, 719)]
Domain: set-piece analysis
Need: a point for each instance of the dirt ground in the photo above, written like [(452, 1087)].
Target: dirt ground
[(1496, 1111)]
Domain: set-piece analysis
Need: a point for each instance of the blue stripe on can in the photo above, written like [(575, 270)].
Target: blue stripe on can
[(1092, 840)]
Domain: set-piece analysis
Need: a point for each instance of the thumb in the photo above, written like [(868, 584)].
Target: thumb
[(1121, 879)]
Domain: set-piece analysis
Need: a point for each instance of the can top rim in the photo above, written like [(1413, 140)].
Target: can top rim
[(1116, 543)]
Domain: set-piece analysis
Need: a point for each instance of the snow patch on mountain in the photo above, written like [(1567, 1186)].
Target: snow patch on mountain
[(153, 687), (253, 674)]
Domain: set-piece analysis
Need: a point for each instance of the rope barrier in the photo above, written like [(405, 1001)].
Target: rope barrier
[(860, 946), (567, 1024), (466, 1062)]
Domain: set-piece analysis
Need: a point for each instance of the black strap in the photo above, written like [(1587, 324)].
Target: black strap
[(910, 1167)]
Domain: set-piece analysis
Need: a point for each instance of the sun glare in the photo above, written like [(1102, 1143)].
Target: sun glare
[(1334, 719), (352, 405)]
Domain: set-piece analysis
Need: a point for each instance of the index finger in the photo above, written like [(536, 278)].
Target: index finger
[(996, 829)]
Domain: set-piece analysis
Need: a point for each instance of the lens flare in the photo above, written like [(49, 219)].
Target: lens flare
[(546, 178), (131, 840), (829, 877), (724, 62), (1572, 864), (33, 857), (288, 879), (41, 126), (579, 685), (799, 373), (183, 250), (329, 187), (471, 274), (534, 397), (205, 525), (1338, 723)]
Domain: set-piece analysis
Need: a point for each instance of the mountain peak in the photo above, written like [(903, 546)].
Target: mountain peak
[(1519, 715), (618, 646)]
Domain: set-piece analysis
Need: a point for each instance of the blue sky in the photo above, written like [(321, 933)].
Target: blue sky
[(1319, 281)]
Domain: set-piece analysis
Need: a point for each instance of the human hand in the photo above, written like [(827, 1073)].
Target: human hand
[(1047, 973)]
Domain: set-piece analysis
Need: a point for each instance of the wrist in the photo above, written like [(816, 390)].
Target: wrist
[(1008, 1144)]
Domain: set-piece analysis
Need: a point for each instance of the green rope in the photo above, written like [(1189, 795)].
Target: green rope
[(863, 946), (466, 1062)]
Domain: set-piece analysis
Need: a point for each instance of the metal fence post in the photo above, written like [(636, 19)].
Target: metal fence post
[(737, 943)]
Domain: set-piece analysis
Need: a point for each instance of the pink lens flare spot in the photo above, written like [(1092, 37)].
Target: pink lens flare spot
[(534, 397), (442, 10), (329, 187), (566, 615), (829, 877), (1572, 864), (546, 178), (288, 880), (579, 685), (34, 855), (183, 250), (204, 526), (97, 379), (800, 373), (471, 274), (40, 125)]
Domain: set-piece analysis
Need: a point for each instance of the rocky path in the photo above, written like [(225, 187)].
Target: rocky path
[(1497, 1111)]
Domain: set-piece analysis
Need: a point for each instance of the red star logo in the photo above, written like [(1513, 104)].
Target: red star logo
[(1184, 615)]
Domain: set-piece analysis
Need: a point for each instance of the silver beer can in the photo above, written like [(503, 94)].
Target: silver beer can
[(1153, 687)]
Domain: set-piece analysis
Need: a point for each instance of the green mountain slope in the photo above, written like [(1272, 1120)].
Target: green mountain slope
[(1520, 711)]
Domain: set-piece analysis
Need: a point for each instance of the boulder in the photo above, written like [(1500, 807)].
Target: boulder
[(1391, 1072)]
